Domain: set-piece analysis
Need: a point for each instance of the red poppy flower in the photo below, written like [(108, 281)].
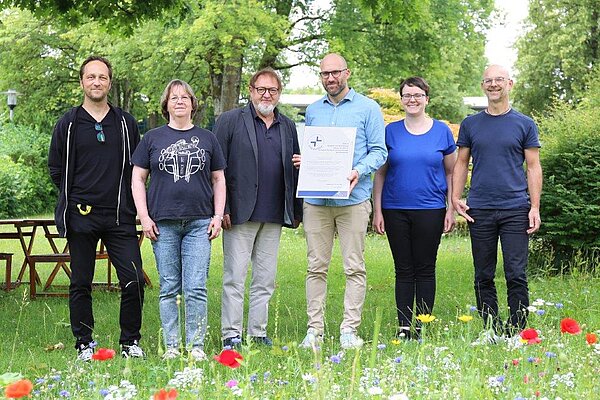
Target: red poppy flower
[(591, 338), (569, 325), (162, 394), (530, 336), (18, 389), (229, 358), (103, 354)]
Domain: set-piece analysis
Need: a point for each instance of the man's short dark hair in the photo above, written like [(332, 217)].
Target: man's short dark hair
[(415, 81), (266, 71), (95, 58)]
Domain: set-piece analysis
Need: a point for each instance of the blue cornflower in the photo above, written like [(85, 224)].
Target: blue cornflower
[(550, 354), (56, 377), (336, 359), (266, 375), (531, 359), (64, 393), (398, 360), (381, 346), (39, 381), (91, 383), (253, 378), (559, 305), (284, 348), (540, 312), (500, 378), (103, 392), (472, 308)]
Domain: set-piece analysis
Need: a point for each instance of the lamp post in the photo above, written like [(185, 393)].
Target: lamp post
[(11, 100)]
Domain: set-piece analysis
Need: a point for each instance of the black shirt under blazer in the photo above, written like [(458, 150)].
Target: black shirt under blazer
[(237, 136)]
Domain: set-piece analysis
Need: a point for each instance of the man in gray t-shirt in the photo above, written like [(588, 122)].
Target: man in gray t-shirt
[(503, 201)]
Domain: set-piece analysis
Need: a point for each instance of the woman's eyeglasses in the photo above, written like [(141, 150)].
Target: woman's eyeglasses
[(99, 133)]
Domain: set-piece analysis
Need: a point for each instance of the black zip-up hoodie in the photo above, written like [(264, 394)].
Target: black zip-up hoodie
[(60, 163)]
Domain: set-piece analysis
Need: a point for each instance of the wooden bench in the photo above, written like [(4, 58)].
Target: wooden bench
[(60, 259), (8, 258)]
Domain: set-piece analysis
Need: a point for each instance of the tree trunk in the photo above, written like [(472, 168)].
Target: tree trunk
[(225, 84)]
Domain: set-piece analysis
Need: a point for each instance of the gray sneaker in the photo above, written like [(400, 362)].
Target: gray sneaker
[(197, 354), (488, 337), (132, 351), (349, 339), (312, 340), (86, 351), (171, 353)]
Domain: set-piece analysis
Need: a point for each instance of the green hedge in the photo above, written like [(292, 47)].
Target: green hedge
[(570, 204), (25, 186)]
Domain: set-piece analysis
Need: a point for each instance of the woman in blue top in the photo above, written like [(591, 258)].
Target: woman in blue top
[(181, 213), (410, 201)]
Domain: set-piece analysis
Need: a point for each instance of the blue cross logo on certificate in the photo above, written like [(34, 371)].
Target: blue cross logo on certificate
[(315, 142)]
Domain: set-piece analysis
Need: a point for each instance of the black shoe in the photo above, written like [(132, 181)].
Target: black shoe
[(234, 342), (263, 340)]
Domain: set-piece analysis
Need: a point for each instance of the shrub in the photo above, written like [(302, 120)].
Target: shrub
[(570, 204), (25, 185)]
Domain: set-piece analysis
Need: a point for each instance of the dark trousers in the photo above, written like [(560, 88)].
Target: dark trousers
[(83, 234), (511, 227), (414, 238)]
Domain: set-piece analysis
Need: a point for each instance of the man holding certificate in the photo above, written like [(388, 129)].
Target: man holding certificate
[(356, 119)]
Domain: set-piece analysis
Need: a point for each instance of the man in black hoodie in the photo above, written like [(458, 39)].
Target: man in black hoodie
[(89, 162)]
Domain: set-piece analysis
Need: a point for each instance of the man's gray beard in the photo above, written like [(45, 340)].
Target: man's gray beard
[(264, 110)]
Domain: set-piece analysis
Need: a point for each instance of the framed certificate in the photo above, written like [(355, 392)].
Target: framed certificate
[(327, 154)]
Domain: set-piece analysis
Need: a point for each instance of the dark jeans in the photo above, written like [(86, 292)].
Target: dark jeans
[(83, 234), (414, 238), (511, 227)]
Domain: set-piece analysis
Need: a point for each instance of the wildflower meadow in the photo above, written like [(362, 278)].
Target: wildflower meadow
[(556, 357)]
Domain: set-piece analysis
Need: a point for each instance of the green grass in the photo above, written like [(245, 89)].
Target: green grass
[(444, 365)]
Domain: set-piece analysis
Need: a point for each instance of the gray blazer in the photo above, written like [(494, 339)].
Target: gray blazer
[(237, 136)]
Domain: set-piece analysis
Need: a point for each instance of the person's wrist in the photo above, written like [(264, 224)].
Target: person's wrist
[(218, 216)]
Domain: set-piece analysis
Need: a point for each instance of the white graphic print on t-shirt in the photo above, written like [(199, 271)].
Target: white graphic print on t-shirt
[(182, 159)]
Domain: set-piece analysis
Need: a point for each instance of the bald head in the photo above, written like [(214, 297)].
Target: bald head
[(333, 59), (496, 70)]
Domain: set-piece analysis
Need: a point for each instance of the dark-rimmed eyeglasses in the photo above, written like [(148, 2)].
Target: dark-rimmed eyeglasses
[(416, 96), (262, 90), (99, 133), (489, 81), (335, 74)]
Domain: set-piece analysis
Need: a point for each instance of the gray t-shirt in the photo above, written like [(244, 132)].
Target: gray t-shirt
[(498, 146), (180, 164)]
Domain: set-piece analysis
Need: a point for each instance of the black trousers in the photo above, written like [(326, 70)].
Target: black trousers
[(414, 238), (83, 234), (511, 227)]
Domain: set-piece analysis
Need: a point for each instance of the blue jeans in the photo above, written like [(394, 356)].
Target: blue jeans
[(511, 227), (182, 254)]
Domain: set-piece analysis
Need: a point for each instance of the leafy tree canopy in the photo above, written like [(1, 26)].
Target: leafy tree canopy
[(558, 53), (117, 15)]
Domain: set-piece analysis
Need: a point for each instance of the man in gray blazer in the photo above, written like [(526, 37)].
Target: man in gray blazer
[(258, 143)]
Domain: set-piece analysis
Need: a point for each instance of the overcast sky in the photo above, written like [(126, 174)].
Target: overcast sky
[(499, 47)]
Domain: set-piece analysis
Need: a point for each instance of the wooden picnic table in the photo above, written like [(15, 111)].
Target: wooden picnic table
[(25, 231)]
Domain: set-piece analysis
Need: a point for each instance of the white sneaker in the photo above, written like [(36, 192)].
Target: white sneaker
[(171, 353), (132, 351), (488, 337), (312, 339), (349, 339), (197, 354), (86, 351), (515, 342)]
